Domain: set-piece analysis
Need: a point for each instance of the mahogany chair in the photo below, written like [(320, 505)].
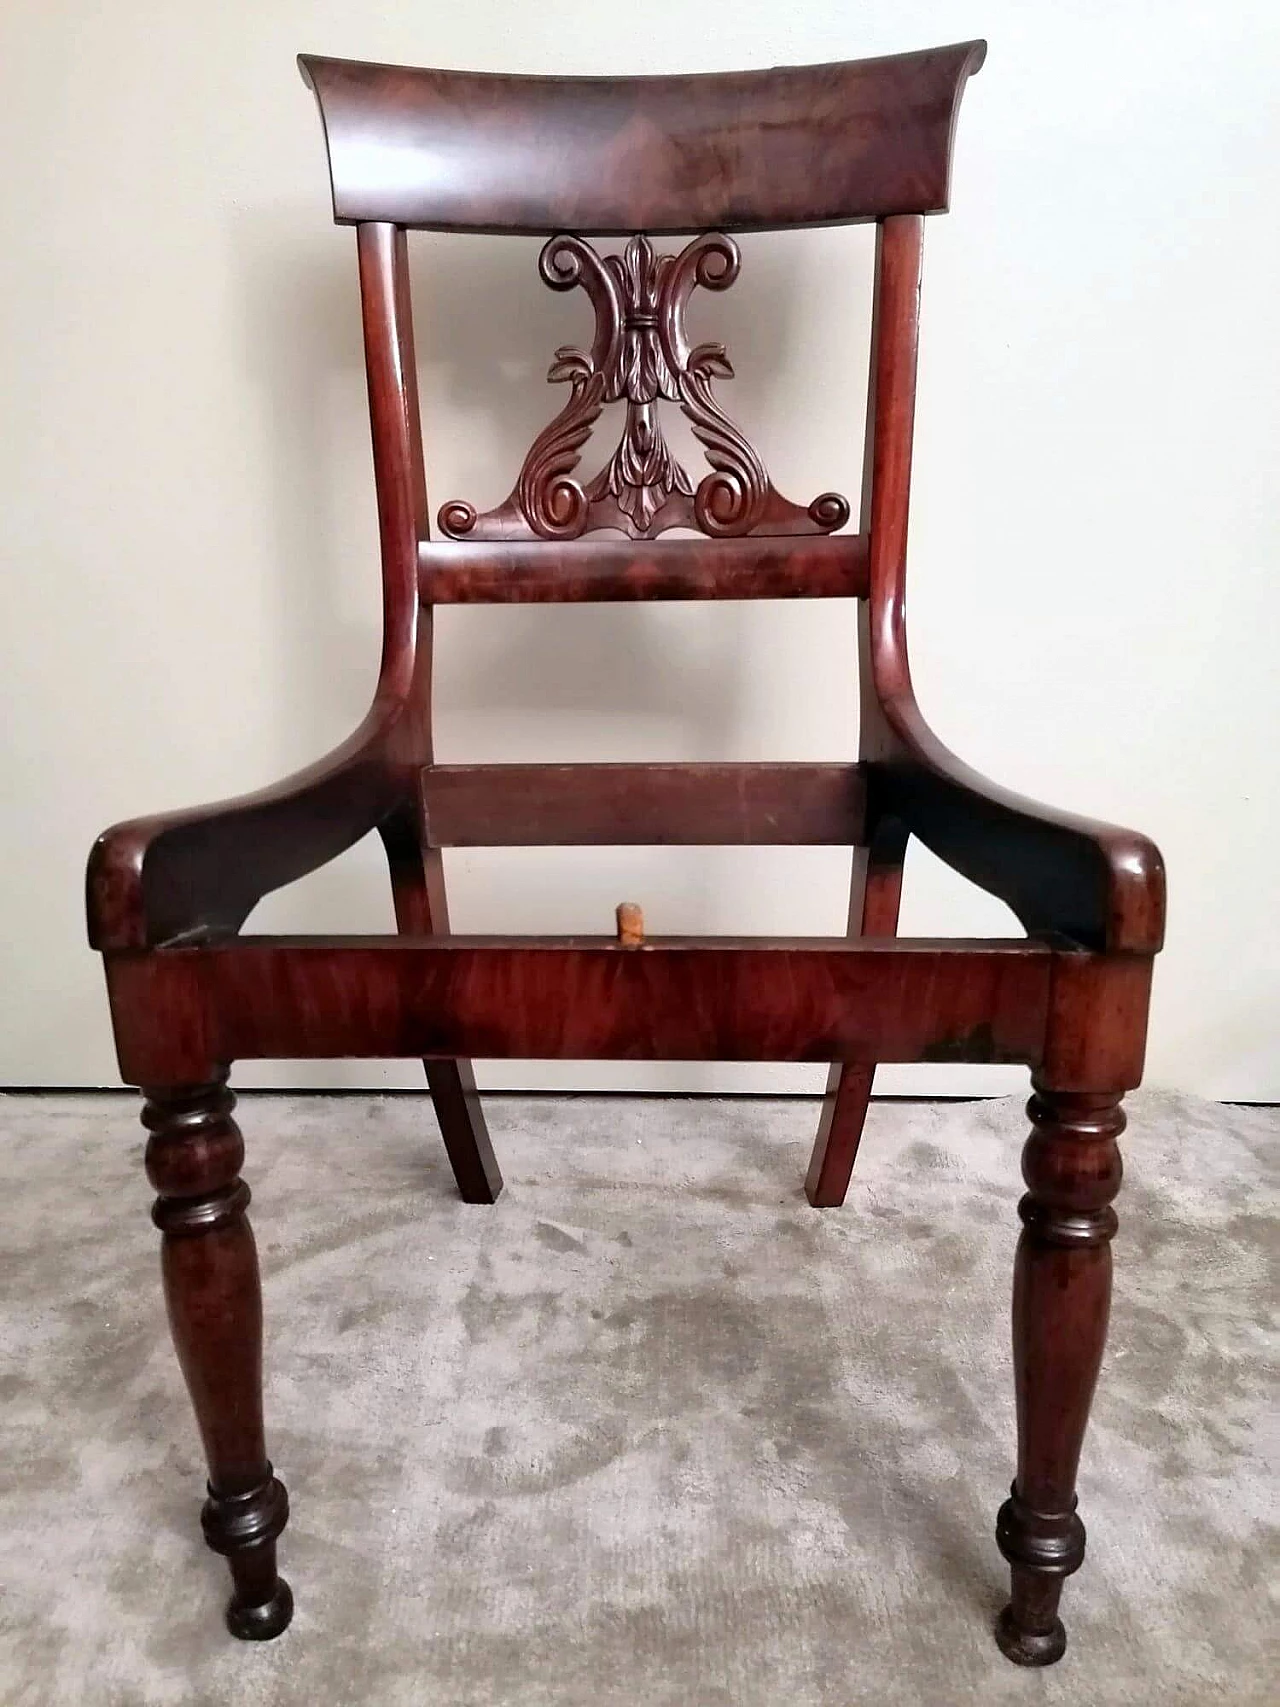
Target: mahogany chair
[(645, 159)]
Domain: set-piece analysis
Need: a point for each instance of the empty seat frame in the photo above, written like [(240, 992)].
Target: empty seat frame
[(647, 160)]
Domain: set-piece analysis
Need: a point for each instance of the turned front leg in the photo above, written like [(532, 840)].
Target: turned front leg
[(210, 1267), (1061, 1301)]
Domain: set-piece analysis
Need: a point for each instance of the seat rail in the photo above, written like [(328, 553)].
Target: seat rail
[(584, 998)]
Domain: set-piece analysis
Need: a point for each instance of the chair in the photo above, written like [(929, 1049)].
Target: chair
[(643, 159)]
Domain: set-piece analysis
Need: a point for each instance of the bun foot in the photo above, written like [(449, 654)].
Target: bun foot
[(1030, 1647), (261, 1623)]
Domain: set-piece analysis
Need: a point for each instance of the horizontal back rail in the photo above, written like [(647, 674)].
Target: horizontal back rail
[(713, 999), (611, 570), (643, 805), (732, 151)]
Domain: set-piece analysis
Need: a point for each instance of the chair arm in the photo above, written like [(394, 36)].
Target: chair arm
[(1097, 885), (202, 871)]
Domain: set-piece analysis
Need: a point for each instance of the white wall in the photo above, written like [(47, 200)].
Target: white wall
[(191, 581)]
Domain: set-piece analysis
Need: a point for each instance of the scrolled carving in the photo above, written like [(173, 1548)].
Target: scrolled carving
[(732, 499), (828, 511), (555, 505), (712, 261), (640, 355), (457, 518)]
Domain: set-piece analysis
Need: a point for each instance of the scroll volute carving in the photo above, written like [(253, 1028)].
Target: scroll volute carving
[(641, 356)]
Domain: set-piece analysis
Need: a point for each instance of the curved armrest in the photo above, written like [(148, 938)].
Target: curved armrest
[(1100, 886), (203, 870)]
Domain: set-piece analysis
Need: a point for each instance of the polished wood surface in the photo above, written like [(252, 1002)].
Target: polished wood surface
[(417, 874), (1061, 1301), (585, 998), (788, 805), (875, 893), (736, 151), (167, 896), (1081, 879), (210, 1269), (876, 887), (641, 355), (466, 573), (192, 873), (421, 909)]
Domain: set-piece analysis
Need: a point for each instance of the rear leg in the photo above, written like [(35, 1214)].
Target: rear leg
[(462, 1126), (835, 1149), (873, 911), (417, 885)]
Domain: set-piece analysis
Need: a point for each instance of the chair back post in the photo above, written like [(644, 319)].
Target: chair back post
[(399, 477), (886, 474)]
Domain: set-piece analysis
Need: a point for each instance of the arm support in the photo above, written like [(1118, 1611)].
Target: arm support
[(1100, 886), (203, 871)]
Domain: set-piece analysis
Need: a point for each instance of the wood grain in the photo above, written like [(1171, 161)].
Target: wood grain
[(417, 874), (874, 896), (210, 1268), (740, 150), (698, 999), (1061, 1302), (789, 805), (460, 572)]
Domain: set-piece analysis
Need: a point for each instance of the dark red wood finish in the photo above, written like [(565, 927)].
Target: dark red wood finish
[(735, 151), (1061, 1300), (873, 912), (167, 896), (421, 907), (463, 573), (417, 873), (210, 1267), (588, 998), (641, 354), (788, 805), (1060, 874)]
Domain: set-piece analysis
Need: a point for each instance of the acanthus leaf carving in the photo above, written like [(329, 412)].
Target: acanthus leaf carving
[(640, 356)]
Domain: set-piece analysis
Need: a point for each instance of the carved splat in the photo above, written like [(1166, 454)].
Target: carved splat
[(640, 355)]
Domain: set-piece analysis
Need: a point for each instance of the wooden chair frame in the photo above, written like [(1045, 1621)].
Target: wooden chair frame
[(167, 895)]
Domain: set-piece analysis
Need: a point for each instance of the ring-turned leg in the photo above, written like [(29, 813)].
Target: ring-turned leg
[(211, 1286), (1061, 1301)]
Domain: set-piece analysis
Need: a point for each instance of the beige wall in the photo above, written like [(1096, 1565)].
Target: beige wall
[(187, 519)]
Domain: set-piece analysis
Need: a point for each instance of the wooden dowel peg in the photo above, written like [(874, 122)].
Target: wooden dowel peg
[(630, 925)]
